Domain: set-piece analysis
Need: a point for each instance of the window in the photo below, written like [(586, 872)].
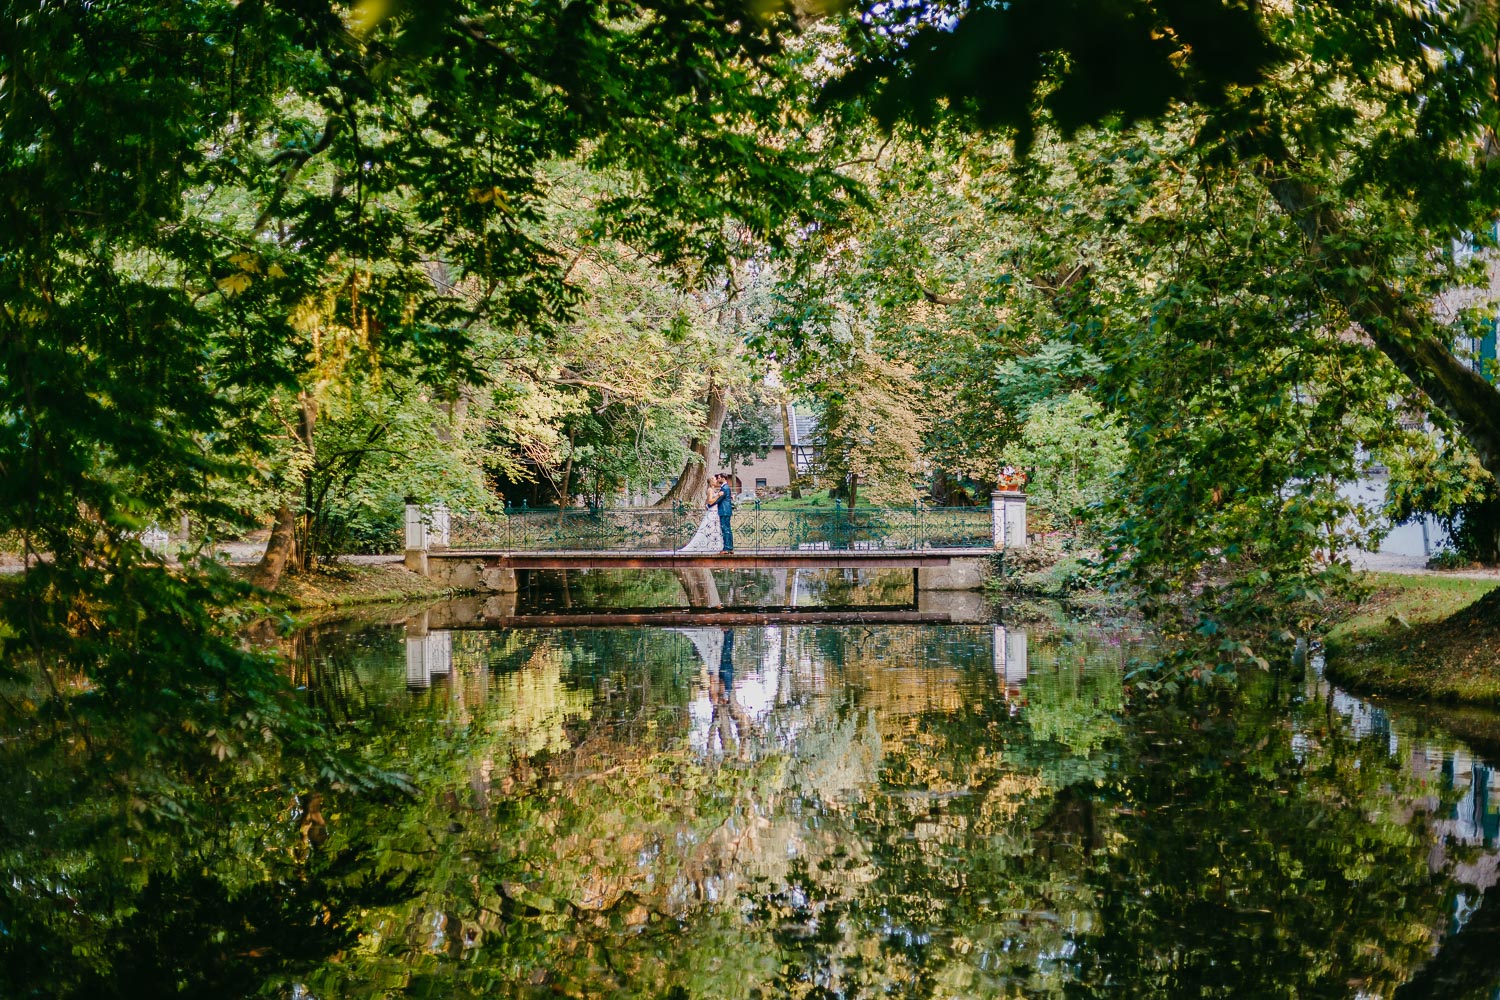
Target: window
[(760, 484)]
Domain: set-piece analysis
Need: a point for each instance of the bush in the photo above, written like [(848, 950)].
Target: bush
[(1073, 451)]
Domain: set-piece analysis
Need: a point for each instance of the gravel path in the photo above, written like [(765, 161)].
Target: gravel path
[(250, 552), (1388, 562)]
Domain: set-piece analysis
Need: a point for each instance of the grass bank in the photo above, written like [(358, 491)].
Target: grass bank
[(1431, 638), (809, 500), (343, 586)]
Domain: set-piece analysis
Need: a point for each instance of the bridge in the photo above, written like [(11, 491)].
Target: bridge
[(946, 548)]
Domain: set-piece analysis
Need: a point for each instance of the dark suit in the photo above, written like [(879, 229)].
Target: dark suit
[(725, 503)]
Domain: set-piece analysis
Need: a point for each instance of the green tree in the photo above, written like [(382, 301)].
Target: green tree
[(872, 425), (1289, 93), (746, 434), (1074, 453), (1244, 247), (217, 204)]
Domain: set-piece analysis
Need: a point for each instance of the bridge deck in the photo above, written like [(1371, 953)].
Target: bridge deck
[(714, 617), (759, 559)]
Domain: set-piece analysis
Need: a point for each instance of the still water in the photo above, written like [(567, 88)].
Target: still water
[(933, 811)]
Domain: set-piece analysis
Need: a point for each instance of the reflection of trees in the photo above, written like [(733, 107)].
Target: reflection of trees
[(886, 826), (126, 872), (897, 831), (877, 785), (603, 588), (856, 587), (549, 589), (1275, 866)]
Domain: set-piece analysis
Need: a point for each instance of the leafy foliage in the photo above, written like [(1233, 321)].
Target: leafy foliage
[(1431, 478), (746, 435), (229, 205), (253, 250), (1074, 452)]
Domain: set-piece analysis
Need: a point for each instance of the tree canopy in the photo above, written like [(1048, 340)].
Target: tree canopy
[(257, 255), (238, 233)]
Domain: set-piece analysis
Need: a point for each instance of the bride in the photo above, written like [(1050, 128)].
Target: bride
[(708, 537)]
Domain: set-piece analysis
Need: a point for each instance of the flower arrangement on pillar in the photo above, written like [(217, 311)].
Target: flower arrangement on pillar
[(1008, 509)]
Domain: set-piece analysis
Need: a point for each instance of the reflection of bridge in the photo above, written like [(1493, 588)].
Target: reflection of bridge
[(879, 540), (429, 640)]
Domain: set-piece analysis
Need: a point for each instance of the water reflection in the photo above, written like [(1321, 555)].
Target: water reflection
[(798, 811), (962, 810), (547, 591)]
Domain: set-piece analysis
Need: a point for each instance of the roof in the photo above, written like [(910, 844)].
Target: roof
[(807, 428)]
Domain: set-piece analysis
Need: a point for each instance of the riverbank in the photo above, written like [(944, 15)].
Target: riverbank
[(1429, 637), (346, 585)]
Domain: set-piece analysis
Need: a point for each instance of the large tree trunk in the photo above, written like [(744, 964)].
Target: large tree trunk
[(700, 588), (788, 452), (565, 493), (280, 550), (691, 482), (1403, 330)]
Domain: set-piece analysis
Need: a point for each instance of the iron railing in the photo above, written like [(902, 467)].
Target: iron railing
[(756, 529)]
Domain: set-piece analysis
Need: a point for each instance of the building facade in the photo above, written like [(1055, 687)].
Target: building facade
[(760, 476)]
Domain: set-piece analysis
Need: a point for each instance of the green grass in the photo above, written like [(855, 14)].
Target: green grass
[(1414, 599), (1423, 637), (811, 500)]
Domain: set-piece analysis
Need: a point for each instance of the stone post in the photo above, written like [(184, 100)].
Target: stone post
[(428, 656), (416, 540), (1008, 519), (439, 521)]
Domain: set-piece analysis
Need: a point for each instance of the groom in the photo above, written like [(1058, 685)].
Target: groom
[(719, 496)]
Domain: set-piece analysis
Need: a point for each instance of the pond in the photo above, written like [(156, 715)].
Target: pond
[(965, 810)]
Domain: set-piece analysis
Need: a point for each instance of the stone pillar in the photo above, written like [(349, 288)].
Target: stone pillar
[(416, 540), (1008, 519), (499, 580), (438, 522)]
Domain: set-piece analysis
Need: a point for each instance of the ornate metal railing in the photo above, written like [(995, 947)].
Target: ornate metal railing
[(581, 529), (756, 529)]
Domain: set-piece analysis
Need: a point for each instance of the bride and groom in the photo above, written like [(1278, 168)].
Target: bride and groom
[(715, 532)]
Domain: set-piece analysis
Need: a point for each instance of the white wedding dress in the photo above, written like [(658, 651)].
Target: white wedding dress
[(708, 537)]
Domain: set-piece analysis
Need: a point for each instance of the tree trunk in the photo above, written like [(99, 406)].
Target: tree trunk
[(565, 495), (280, 550), (689, 488), (307, 422), (1401, 329), (788, 452), (456, 409)]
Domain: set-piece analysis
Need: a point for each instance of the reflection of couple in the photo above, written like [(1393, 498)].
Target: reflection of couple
[(729, 723), (715, 533)]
